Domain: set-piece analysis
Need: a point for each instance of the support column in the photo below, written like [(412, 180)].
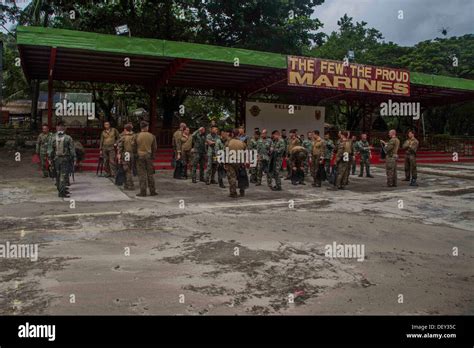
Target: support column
[(52, 62), (153, 116)]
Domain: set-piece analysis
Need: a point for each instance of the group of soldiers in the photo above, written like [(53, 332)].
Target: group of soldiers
[(131, 152), (311, 155)]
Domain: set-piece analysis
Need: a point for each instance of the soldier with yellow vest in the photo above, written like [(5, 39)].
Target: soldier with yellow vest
[(108, 140), (344, 148)]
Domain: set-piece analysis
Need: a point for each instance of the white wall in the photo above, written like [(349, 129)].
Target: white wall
[(276, 117)]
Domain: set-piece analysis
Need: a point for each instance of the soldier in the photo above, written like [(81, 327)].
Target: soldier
[(242, 136), (220, 147), (353, 157), (298, 156), (308, 145), (233, 168), (344, 149), (126, 157), (285, 154), (253, 146), (146, 149), (177, 149), (61, 150), (391, 151), (411, 146), (345, 179), (318, 152), (199, 153), (186, 143), (363, 148), (263, 158), (42, 145), (328, 153), (108, 141), (277, 150), (292, 142), (213, 144)]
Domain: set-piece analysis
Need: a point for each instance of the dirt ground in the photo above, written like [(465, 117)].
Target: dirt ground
[(192, 250)]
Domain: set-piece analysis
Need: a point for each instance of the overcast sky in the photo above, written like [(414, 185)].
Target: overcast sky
[(422, 19)]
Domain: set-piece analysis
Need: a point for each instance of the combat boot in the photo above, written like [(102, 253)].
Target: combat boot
[(194, 181), (413, 182), (213, 182), (202, 179), (141, 194), (153, 193), (276, 188), (242, 192), (406, 179), (233, 195)]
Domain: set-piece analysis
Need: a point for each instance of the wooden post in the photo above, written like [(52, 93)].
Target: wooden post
[(153, 117), (52, 61)]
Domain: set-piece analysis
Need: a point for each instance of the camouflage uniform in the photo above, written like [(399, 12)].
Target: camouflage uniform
[(391, 149), (212, 157), (233, 168), (363, 148), (126, 146), (199, 155), (290, 145), (328, 155), (263, 150), (146, 147), (61, 150), (318, 151), (42, 145), (308, 145), (353, 157), (298, 156), (253, 170), (107, 141), (344, 149), (351, 162), (277, 150), (186, 145), (411, 147)]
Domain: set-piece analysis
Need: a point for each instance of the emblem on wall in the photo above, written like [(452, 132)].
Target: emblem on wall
[(255, 111)]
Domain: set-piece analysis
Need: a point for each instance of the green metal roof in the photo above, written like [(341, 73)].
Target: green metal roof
[(51, 37)]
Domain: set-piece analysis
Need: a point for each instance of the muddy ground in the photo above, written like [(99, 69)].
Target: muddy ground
[(111, 253)]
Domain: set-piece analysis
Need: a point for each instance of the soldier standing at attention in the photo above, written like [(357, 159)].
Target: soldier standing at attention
[(177, 145), (42, 145), (308, 145), (391, 150), (263, 158), (212, 142), (252, 145), (186, 145), (277, 150), (344, 149), (63, 153), (126, 157), (328, 153), (199, 153), (318, 152), (233, 168), (146, 149), (411, 146), (363, 148), (292, 142), (108, 140)]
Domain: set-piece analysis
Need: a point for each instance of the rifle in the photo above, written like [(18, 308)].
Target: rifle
[(100, 166)]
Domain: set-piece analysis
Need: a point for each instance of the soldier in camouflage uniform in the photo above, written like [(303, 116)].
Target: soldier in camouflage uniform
[(126, 157), (391, 150), (292, 142), (61, 150), (213, 144), (318, 151), (344, 148), (263, 151), (232, 169), (42, 145), (186, 144), (277, 151), (199, 153), (252, 145), (328, 153), (308, 145), (363, 148), (410, 146)]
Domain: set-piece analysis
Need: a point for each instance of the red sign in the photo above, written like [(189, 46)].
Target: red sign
[(323, 73)]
